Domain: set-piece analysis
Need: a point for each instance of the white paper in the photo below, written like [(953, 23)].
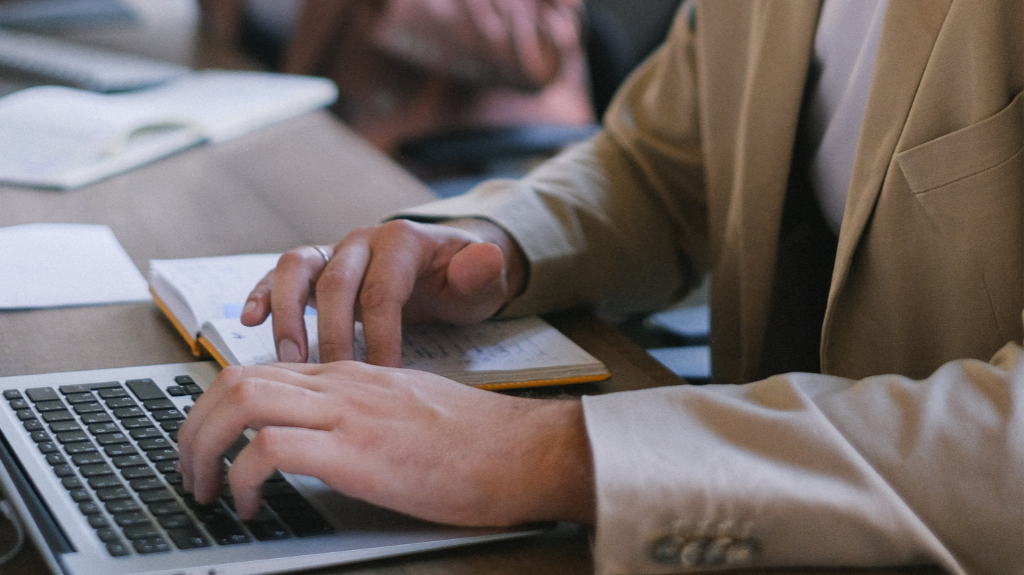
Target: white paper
[(57, 265)]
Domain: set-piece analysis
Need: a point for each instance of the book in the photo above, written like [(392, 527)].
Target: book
[(60, 137), (203, 298)]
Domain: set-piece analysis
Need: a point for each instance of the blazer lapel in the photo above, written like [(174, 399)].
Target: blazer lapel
[(908, 37)]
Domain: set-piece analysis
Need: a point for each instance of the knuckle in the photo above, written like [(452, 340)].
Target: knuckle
[(268, 445), (291, 259), (242, 392)]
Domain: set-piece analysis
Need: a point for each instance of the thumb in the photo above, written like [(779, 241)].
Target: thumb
[(476, 268)]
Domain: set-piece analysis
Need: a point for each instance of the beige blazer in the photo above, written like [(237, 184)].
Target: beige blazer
[(925, 281)]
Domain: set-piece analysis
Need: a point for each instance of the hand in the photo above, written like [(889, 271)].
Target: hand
[(407, 440), (460, 272)]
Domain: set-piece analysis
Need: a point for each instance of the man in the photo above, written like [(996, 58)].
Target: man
[(728, 151)]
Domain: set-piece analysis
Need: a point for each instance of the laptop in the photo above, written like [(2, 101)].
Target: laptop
[(88, 462)]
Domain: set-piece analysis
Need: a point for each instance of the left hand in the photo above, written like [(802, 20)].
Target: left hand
[(407, 440)]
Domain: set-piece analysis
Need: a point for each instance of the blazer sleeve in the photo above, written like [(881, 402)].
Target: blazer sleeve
[(617, 223), (804, 469)]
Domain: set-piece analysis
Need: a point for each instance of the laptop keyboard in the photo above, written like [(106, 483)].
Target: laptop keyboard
[(113, 445)]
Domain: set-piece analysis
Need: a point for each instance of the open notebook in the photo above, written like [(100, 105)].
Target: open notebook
[(89, 464)]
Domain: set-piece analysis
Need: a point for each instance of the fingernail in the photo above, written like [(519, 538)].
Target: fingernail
[(288, 351), (250, 306)]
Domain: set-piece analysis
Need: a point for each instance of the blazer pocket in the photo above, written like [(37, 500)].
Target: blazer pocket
[(965, 152)]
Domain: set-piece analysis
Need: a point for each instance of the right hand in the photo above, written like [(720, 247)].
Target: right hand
[(460, 272)]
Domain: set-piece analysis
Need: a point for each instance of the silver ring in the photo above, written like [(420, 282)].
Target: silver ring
[(323, 254)]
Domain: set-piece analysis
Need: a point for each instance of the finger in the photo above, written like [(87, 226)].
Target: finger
[(337, 289), (293, 281), (288, 449), (397, 260), (476, 270), (250, 404), (208, 403), (257, 305)]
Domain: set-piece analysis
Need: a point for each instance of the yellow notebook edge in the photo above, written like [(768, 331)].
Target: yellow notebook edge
[(544, 382), (211, 351), (189, 338)]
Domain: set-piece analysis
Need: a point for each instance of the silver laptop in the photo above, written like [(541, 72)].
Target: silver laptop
[(89, 464)]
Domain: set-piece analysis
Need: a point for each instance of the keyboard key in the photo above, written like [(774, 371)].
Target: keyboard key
[(145, 433), (98, 417), (131, 518), (62, 415), (47, 447), (154, 443), (176, 391), (117, 549), (158, 404), (98, 521), (80, 495), (162, 454), (130, 423), (175, 521), (46, 406), (32, 424), (122, 506), (120, 402), (112, 494), (87, 459), (265, 527), (55, 459), (71, 483), (62, 426), (108, 535), (79, 447), (39, 436), (103, 482), (188, 538), (127, 412), (25, 414), (146, 484), (166, 467), (84, 408), (72, 436), (144, 531), (145, 389), (172, 425), (95, 470), (83, 397), (112, 392), (166, 508), (38, 394), (128, 461), (12, 394), (17, 404), (156, 496), (140, 472), (119, 449), (112, 439), (148, 545)]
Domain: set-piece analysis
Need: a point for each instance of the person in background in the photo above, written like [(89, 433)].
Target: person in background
[(408, 68), (851, 174)]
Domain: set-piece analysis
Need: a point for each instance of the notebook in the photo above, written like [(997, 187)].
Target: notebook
[(88, 461), (203, 298)]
